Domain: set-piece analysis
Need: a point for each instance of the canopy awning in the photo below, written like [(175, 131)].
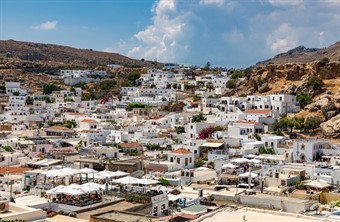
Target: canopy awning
[(229, 165), (248, 174), (319, 184), (127, 180)]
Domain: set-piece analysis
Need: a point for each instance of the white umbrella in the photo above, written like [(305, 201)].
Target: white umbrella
[(148, 181), (250, 156), (240, 160), (255, 161), (56, 190), (127, 180), (73, 192), (74, 186), (57, 173), (119, 174), (320, 184), (87, 170), (229, 165), (90, 187), (110, 187), (248, 174)]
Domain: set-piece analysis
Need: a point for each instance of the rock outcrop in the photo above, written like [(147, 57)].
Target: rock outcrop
[(331, 128)]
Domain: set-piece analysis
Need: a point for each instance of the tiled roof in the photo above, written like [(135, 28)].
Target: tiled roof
[(258, 111), (88, 121), (130, 145), (246, 122), (58, 128), (181, 151)]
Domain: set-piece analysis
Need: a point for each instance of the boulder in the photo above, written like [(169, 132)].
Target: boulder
[(322, 104), (331, 128), (264, 88)]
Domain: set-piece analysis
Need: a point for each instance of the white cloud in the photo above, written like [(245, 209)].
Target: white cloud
[(286, 2), (234, 36), (282, 39), (212, 2), (49, 25), (331, 3), (164, 6), (161, 40)]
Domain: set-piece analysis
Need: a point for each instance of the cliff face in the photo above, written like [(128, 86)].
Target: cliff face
[(295, 79), (302, 55), (288, 78), (50, 55)]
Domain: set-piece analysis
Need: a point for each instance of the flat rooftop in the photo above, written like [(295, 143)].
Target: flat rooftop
[(123, 217), (246, 214)]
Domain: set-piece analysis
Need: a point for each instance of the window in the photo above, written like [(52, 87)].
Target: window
[(171, 159), (186, 161), (178, 160)]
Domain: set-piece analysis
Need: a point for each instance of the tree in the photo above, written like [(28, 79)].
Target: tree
[(107, 84), (16, 93), (303, 99), (48, 88), (207, 65), (210, 86), (199, 162), (198, 118), (266, 150), (231, 84), (312, 123), (235, 74), (81, 85), (164, 182), (180, 129), (71, 124), (315, 82), (257, 137), (7, 148)]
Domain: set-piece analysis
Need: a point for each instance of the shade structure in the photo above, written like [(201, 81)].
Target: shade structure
[(56, 190), (248, 174), (148, 181), (90, 187), (127, 180), (73, 192), (74, 186), (119, 173), (319, 184), (106, 173), (63, 172), (109, 186), (229, 165), (255, 161), (87, 170), (240, 160), (250, 156)]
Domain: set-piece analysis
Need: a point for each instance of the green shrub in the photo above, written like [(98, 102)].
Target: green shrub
[(231, 84), (303, 99), (315, 82)]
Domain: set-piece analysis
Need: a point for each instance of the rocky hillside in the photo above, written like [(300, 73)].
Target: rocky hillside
[(301, 54), (318, 81), (15, 54)]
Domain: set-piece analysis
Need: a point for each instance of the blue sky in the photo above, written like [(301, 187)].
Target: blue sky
[(231, 33)]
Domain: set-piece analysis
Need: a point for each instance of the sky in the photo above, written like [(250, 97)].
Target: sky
[(227, 33)]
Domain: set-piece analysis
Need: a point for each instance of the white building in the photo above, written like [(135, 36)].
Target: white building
[(183, 157)]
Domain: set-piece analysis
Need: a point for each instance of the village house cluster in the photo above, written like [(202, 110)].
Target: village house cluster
[(159, 145)]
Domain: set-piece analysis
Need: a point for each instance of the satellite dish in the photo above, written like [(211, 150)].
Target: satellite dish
[(314, 206)]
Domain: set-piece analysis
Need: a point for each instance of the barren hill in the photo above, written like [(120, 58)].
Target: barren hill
[(302, 54), (57, 55)]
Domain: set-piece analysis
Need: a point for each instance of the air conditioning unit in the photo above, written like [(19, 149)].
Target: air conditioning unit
[(4, 204)]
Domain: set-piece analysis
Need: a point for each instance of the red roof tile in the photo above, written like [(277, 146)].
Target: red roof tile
[(258, 111), (181, 151)]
